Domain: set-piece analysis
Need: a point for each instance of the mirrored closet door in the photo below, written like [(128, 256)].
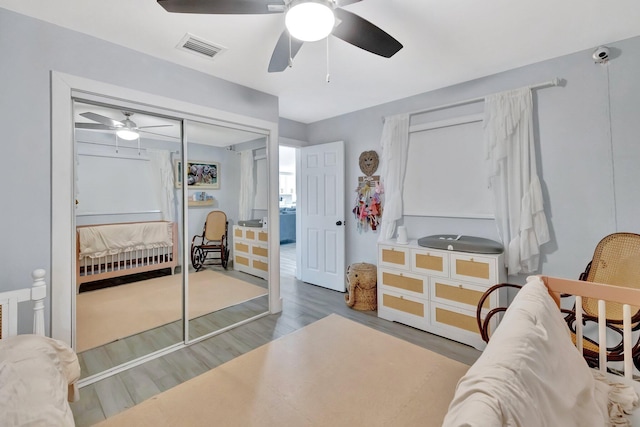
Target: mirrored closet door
[(226, 189), (129, 280), (171, 220)]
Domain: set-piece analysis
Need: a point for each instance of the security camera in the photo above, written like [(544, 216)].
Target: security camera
[(601, 55)]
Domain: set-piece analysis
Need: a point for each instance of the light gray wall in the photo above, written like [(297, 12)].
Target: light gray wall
[(29, 50), (107, 146), (290, 129), (589, 166)]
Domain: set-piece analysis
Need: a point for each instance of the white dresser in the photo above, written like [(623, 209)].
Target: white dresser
[(250, 250), (437, 290)]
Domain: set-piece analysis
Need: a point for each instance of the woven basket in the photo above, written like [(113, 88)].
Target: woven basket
[(361, 287)]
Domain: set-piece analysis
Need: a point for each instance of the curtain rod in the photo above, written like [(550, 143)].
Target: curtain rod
[(550, 83), (121, 146)]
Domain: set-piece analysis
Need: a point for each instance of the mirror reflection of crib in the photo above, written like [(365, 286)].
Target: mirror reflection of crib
[(107, 251)]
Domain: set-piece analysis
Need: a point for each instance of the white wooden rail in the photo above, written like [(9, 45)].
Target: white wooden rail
[(628, 297), (9, 303)]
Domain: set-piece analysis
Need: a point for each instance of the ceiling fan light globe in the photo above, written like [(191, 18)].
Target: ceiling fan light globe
[(127, 134), (309, 21)]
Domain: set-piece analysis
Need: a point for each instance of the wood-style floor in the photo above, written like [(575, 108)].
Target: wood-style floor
[(302, 304), (105, 357)]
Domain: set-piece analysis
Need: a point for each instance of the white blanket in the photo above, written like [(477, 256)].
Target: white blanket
[(530, 374), (112, 239), (35, 374)]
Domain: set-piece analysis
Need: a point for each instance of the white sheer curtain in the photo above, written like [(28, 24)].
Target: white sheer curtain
[(247, 185), (513, 176), (163, 171), (395, 145)]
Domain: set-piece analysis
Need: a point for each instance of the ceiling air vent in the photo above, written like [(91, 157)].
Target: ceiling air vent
[(199, 46)]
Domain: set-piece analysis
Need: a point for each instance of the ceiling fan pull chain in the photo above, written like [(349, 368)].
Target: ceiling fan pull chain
[(138, 145), (116, 143), (328, 75), (290, 58)]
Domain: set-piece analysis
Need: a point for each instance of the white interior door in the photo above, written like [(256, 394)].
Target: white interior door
[(321, 209)]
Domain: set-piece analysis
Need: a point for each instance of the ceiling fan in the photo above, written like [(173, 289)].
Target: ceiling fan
[(343, 24), (125, 129)]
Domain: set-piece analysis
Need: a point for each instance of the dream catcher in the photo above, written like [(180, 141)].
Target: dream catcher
[(368, 203)]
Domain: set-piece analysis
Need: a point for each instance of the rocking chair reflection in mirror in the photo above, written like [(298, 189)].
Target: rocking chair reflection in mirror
[(211, 248)]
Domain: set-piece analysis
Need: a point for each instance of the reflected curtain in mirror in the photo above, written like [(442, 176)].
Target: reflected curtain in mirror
[(247, 185)]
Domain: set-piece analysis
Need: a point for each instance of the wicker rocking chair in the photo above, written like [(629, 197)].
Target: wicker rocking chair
[(616, 261), (212, 247)]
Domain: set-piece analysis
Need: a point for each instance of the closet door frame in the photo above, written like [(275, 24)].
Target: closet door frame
[(64, 88)]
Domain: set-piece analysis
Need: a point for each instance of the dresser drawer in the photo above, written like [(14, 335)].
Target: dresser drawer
[(241, 247), (430, 262), (237, 232), (457, 324), (250, 234), (473, 268), (402, 308), (259, 250), (241, 261), (404, 282), (458, 294), (396, 257), (260, 265)]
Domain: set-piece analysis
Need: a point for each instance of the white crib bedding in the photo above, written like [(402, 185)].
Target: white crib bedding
[(531, 374), (37, 380), (112, 239)]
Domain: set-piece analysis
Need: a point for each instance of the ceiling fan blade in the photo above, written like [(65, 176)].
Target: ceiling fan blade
[(156, 126), (107, 121), (363, 34), (97, 126), (280, 57), (223, 7)]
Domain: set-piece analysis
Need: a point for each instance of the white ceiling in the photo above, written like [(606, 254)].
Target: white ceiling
[(445, 42)]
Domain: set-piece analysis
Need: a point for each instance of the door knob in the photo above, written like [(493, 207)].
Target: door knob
[(339, 223)]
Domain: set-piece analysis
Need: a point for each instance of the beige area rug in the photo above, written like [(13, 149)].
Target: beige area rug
[(110, 314), (334, 372)]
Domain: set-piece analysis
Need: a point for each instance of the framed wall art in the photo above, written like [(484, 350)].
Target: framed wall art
[(200, 174)]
